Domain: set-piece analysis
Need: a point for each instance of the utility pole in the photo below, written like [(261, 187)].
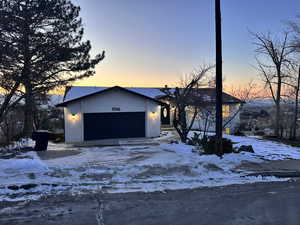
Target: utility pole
[(219, 119)]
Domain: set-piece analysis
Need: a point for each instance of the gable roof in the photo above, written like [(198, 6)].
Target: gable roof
[(77, 93), (209, 94)]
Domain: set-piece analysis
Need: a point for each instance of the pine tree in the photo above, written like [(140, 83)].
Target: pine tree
[(42, 48)]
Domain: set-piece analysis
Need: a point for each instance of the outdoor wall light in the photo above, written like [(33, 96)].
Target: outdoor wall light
[(152, 115), (73, 116)]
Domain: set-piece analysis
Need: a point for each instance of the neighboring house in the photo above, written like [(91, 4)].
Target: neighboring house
[(95, 113), (205, 102)]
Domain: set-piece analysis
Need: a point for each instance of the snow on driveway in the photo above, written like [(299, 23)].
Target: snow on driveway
[(133, 168)]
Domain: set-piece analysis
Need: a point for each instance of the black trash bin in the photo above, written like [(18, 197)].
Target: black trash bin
[(41, 138)]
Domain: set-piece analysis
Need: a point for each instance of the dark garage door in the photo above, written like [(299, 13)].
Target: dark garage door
[(113, 125)]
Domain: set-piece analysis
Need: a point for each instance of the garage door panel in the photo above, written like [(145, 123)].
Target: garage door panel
[(113, 125)]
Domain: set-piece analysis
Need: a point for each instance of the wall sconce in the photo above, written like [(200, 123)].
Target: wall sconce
[(73, 116), (152, 115)]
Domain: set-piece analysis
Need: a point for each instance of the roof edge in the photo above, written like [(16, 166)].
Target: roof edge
[(64, 104)]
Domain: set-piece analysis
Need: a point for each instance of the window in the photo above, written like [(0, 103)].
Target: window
[(226, 111), (227, 130)]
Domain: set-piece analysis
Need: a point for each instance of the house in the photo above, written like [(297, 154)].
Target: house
[(205, 120), (95, 113)]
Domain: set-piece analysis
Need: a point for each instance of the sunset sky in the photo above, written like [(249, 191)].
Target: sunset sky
[(151, 43)]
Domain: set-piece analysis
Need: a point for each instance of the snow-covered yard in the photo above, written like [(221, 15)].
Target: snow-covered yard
[(132, 168)]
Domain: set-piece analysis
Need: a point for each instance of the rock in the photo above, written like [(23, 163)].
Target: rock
[(26, 149), (31, 176), (195, 150), (28, 186), (212, 167), (14, 153), (8, 156), (238, 133), (13, 187), (279, 174), (246, 148), (236, 150)]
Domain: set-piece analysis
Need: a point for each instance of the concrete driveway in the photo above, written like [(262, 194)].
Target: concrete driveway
[(118, 142)]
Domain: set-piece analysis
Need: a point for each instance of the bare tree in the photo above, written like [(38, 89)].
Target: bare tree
[(10, 97), (11, 125), (9, 88), (206, 114), (245, 93), (273, 62), (183, 98), (295, 43), (294, 93)]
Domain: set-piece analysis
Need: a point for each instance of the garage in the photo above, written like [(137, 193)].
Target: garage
[(113, 125), (104, 113)]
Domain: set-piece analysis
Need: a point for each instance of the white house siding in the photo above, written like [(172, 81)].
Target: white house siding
[(104, 102), (73, 123), (152, 119), (235, 122), (199, 123)]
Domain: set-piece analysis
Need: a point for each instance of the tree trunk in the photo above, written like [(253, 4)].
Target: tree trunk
[(29, 99), (176, 123), (28, 111), (277, 123), (205, 126), (183, 125), (278, 99), (296, 107), (219, 119)]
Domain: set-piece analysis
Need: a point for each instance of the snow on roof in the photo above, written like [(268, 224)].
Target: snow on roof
[(207, 94), (150, 92), (75, 92), (79, 91)]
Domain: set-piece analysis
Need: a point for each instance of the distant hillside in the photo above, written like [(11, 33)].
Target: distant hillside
[(260, 102), (266, 103)]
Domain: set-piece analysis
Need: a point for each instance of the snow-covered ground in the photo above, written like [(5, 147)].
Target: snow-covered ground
[(133, 168)]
